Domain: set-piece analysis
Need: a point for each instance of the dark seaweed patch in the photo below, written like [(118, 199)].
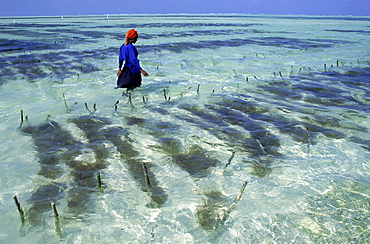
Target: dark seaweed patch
[(354, 79), (41, 199), (212, 213), (54, 147), (260, 145), (291, 43), (197, 33), (261, 142), (51, 141), (177, 25), (300, 131), (26, 46), (91, 127), (36, 66), (193, 159), (196, 162), (363, 143), (351, 31), (135, 165)]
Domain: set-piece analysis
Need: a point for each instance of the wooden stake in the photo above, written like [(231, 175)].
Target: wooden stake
[(261, 146), (231, 158), (130, 99), (308, 136), (146, 176), (19, 207), (87, 107), (56, 214), (238, 197), (22, 119), (99, 180), (115, 105), (198, 89), (65, 101), (241, 192), (164, 93)]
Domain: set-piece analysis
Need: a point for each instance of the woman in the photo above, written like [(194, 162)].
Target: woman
[(130, 76)]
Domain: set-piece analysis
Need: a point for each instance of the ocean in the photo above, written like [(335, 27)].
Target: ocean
[(249, 129)]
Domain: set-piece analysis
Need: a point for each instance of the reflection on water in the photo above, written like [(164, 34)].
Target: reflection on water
[(230, 99)]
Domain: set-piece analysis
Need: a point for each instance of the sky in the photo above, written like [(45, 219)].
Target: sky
[(103, 7)]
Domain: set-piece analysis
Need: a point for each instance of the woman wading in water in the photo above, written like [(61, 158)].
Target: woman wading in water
[(130, 75)]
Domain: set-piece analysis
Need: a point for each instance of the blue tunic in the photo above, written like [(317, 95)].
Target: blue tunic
[(129, 55)]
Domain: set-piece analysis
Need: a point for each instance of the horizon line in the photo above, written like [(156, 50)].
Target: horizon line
[(142, 14)]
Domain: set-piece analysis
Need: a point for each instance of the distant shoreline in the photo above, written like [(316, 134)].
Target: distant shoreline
[(278, 16)]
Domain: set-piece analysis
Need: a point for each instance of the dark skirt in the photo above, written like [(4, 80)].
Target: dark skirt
[(126, 79)]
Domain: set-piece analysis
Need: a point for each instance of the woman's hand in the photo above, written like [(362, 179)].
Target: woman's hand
[(144, 72), (118, 72)]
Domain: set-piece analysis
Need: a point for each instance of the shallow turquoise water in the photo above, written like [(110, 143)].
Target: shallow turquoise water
[(279, 101)]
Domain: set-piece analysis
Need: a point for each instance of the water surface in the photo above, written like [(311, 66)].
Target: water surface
[(281, 102)]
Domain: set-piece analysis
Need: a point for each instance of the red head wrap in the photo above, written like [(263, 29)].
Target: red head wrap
[(131, 34)]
